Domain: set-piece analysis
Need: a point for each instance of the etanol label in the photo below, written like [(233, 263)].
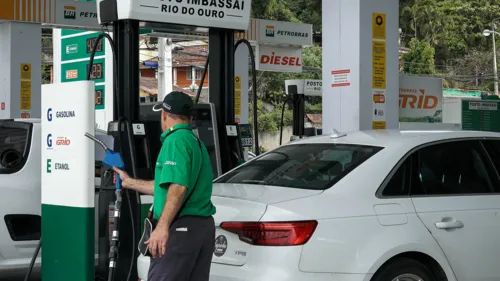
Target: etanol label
[(56, 166)]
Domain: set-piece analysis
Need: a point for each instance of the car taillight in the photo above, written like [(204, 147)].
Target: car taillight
[(272, 233)]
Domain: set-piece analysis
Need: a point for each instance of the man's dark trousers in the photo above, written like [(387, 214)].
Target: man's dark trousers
[(188, 256)]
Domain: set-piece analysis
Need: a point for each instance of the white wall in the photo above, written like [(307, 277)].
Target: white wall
[(271, 141)]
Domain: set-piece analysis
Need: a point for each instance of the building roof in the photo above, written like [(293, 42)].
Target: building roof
[(150, 86), (190, 56), (315, 118)]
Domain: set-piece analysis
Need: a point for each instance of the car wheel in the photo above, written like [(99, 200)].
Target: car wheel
[(404, 269)]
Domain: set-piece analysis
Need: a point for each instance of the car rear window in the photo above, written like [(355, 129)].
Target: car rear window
[(304, 166), (14, 145)]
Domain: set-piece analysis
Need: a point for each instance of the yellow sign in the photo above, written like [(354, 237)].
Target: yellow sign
[(378, 65), (378, 125), (378, 26), (237, 98), (25, 87)]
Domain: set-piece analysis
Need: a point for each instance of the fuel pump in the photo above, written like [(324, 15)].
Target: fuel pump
[(113, 159), (125, 17), (297, 90)]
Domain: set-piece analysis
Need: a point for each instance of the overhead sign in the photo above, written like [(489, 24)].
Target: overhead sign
[(279, 32), (228, 14), (420, 99), (52, 12), (280, 59)]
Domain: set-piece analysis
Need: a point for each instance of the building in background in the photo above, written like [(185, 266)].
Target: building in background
[(188, 62)]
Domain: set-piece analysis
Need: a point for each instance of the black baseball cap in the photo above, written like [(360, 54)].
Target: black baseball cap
[(176, 103)]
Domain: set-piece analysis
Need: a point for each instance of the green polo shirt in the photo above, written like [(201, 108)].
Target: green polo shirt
[(180, 162)]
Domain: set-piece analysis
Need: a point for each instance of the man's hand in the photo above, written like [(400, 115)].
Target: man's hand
[(123, 176), (158, 241)]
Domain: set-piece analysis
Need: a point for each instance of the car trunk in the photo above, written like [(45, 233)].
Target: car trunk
[(244, 203)]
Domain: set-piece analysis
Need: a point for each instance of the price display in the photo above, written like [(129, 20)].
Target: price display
[(96, 72), (246, 135), (247, 142), (90, 45), (98, 98)]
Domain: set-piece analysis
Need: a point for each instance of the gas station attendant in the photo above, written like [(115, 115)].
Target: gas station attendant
[(182, 242)]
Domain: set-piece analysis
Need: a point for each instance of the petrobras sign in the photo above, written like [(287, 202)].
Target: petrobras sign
[(68, 156), (279, 32), (420, 99), (228, 14), (280, 59)]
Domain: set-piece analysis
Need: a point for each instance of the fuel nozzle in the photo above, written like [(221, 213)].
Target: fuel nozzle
[(111, 158)]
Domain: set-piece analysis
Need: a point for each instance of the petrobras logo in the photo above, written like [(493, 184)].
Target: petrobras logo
[(269, 30), (60, 141), (60, 114), (70, 12)]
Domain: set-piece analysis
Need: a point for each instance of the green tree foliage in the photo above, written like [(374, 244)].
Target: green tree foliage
[(308, 11), (420, 58), (463, 56), (452, 27)]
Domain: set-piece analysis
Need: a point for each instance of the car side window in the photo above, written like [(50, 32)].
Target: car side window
[(493, 149), (398, 185), (454, 168)]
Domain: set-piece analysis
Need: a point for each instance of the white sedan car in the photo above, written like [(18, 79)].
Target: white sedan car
[(373, 205)]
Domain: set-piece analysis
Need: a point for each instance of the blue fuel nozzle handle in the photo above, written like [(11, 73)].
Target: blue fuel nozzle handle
[(114, 159), (111, 158)]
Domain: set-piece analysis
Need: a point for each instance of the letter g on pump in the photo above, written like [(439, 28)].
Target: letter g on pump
[(49, 140), (49, 114)]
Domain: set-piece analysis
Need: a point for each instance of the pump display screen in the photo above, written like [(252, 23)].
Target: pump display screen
[(246, 135), (98, 97), (90, 45), (96, 72)]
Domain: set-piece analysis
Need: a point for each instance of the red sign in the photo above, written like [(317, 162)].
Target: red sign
[(3, 106), (378, 98), (281, 59), (341, 78)]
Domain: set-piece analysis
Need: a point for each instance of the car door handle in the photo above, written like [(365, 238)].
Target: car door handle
[(449, 224)]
